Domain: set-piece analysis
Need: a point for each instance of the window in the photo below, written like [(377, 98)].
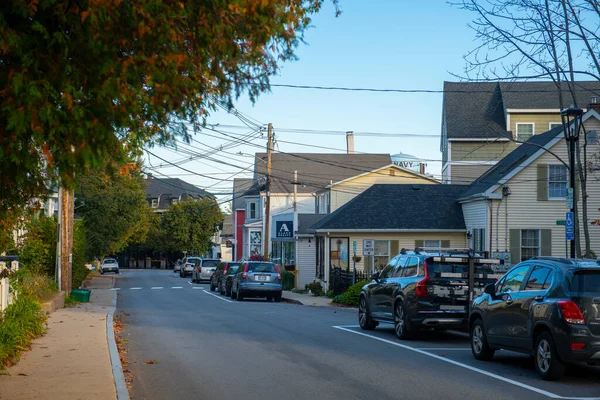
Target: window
[(585, 281), (592, 137), (432, 243), (388, 270), (338, 253), (554, 125), (399, 271), (255, 243), (530, 244), (253, 210), (524, 131), (479, 240), (323, 203), (412, 267), (174, 201), (382, 253), (557, 181), (154, 203), (261, 267), (512, 281), (540, 279)]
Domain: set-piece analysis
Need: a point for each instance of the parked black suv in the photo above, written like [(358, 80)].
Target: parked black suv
[(422, 291), (546, 307), (219, 274)]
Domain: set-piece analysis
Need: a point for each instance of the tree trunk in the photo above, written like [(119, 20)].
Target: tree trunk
[(582, 174)]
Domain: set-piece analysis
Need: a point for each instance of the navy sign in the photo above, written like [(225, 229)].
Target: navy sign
[(570, 226), (285, 229)]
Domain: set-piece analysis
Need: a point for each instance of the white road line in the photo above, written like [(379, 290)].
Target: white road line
[(190, 282), (466, 366), (134, 288), (115, 288), (156, 287), (218, 297), (444, 348), (198, 287), (177, 287)]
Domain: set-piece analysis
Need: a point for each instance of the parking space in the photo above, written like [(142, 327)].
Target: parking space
[(453, 348)]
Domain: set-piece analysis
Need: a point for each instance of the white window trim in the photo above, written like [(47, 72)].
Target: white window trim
[(553, 123), (153, 203), (524, 123), (431, 240), (256, 210), (548, 179)]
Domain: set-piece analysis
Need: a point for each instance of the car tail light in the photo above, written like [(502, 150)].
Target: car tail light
[(199, 270), (577, 346), (245, 274), (278, 274), (570, 312), (421, 289)]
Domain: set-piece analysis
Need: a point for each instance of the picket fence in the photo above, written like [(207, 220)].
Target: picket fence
[(6, 296)]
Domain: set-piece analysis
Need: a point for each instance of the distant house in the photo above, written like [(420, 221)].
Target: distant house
[(164, 192), (482, 120)]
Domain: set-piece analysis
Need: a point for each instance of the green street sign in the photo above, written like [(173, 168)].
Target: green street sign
[(561, 222)]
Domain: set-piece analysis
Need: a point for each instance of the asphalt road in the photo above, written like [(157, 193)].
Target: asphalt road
[(207, 347)]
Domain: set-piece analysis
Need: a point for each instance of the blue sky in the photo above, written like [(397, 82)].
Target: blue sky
[(383, 44)]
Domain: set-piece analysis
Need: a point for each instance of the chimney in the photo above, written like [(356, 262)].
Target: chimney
[(350, 142), (594, 105), (422, 168)]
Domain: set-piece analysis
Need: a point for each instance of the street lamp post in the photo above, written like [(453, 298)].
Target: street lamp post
[(571, 121)]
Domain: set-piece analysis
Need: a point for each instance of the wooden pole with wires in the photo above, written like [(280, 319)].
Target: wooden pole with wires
[(268, 193)]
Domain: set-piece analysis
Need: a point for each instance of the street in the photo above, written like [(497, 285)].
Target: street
[(202, 345)]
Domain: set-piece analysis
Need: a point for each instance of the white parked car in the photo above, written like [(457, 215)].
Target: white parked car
[(187, 267), (204, 270), (109, 265)]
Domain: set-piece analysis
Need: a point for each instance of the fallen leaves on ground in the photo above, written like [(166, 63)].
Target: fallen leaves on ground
[(150, 362)]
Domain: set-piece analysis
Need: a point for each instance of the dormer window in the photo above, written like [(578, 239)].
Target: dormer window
[(253, 210), (174, 201), (154, 203), (524, 131)]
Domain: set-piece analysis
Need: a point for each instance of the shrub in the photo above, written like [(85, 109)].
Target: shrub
[(38, 252), (32, 284), (80, 248), (316, 288), (339, 299), (329, 294), (288, 280), (353, 293), (20, 323)]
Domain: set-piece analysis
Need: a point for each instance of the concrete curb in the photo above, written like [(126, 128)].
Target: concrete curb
[(292, 301), (117, 368)]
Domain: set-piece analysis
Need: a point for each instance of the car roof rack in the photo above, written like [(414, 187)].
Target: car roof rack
[(453, 255)]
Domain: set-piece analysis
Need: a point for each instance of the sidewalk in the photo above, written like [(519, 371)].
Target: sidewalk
[(307, 299), (72, 361)]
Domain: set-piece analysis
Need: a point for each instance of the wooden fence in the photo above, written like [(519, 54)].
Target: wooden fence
[(6, 296)]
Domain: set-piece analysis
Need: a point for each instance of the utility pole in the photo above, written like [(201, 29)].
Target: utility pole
[(65, 239), (268, 205), (295, 190)]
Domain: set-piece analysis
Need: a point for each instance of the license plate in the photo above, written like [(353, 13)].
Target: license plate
[(261, 277), (452, 308)]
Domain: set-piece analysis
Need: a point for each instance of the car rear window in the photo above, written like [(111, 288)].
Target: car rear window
[(262, 267), (233, 269), (436, 268), (210, 263), (110, 261), (586, 281)]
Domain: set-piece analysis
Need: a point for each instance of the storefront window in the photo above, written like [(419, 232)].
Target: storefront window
[(338, 253), (255, 243), (284, 253), (382, 254)]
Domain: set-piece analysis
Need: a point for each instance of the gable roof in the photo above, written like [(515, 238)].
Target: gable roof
[(242, 187), (399, 207), (174, 187), (393, 166), (514, 161), (306, 221), (315, 170), (476, 110)]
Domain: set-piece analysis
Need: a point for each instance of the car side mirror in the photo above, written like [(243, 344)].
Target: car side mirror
[(490, 289), (375, 276)]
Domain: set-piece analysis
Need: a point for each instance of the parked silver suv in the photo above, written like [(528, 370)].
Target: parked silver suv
[(109, 265), (204, 269)]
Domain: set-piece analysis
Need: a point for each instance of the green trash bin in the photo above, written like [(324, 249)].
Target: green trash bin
[(81, 295)]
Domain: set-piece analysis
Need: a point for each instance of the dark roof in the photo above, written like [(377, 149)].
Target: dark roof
[(168, 188), (315, 170), (510, 162), (306, 221), (243, 187), (401, 207), (476, 110)]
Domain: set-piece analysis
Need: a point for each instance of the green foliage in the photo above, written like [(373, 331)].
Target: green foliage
[(351, 296), (288, 280), (20, 323), (191, 224), (339, 299), (329, 294), (79, 270), (113, 206), (316, 288), (38, 252), (33, 284), (70, 302), (80, 80)]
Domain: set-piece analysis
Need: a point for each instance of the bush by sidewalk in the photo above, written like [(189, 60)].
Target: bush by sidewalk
[(351, 296)]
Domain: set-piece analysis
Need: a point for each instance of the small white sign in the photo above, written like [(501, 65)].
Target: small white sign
[(569, 198), (368, 247)]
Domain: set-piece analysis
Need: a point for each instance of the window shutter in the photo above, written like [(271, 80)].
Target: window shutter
[(445, 244), (394, 250), (542, 182), (515, 246), (419, 243), (546, 245)]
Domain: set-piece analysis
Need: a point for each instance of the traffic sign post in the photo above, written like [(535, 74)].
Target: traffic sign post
[(354, 263), (368, 247), (570, 226)]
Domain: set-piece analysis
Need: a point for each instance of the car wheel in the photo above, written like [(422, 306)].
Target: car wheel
[(547, 363), (402, 326), (277, 298), (269, 298), (479, 344), (228, 291), (117, 271), (212, 287), (239, 295), (232, 293), (364, 317), (101, 272)]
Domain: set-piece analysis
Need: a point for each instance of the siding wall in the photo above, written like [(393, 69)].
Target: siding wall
[(475, 214), (526, 212), (481, 151), (306, 261), (541, 121), (465, 174), (346, 191)]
